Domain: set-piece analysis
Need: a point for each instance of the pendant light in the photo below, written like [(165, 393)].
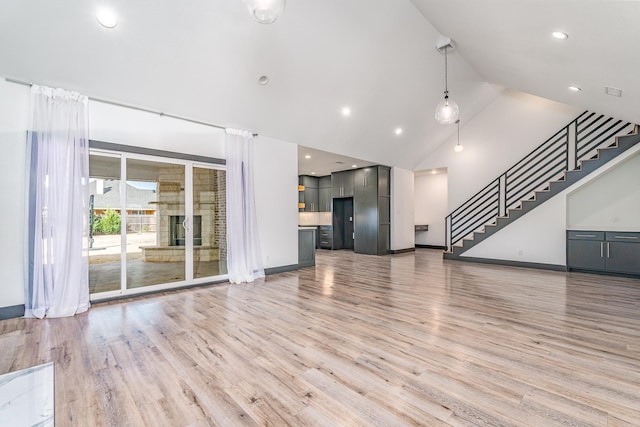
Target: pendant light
[(458, 148), (265, 11), (447, 111)]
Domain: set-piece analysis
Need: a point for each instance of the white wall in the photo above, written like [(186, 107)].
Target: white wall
[(431, 207), (540, 235), (610, 202), (276, 175), (495, 139), (14, 105), (276, 186), (402, 209)]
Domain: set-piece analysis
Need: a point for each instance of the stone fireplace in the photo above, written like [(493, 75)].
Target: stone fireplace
[(209, 209)]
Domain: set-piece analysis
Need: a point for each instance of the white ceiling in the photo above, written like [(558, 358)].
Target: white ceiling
[(202, 59)]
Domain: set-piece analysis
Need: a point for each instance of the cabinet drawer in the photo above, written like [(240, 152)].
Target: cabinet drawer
[(586, 235), (612, 236)]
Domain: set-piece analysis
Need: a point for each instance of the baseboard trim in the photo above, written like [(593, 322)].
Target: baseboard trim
[(509, 263), (284, 268), (11, 312), (401, 251), (431, 247)]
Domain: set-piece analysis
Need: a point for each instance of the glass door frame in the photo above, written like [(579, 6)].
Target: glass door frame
[(189, 280)]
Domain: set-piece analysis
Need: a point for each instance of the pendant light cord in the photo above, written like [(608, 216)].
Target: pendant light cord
[(446, 67)]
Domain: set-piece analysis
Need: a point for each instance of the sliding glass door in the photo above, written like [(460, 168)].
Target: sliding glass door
[(157, 223)]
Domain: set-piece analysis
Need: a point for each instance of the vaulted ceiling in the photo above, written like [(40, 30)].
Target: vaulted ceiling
[(202, 59)]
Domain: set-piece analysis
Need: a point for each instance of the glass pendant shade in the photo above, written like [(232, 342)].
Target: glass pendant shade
[(265, 11), (447, 112), (458, 148)]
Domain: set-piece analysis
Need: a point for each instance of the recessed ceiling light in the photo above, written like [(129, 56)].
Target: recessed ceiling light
[(346, 111), (575, 88), (308, 156), (106, 17), (263, 80), (398, 131), (313, 173), (433, 172), (560, 35), (354, 166)]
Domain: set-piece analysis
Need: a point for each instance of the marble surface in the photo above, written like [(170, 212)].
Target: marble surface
[(26, 397)]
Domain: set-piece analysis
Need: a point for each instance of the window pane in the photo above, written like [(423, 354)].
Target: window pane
[(155, 217), (209, 220), (104, 235)]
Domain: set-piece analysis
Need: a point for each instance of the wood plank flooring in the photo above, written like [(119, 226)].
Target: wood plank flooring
[(407, 339)]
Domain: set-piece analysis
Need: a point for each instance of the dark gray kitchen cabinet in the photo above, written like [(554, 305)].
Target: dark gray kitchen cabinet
[(372, 208), (623, 252), (324, 199), (309, 181), (365, 209), (310, 195), (585, 250), (306, 247), (366, 177), (311, 200), (325, 237), (324, 182), (612, 252), (325, 196), (342, 184)]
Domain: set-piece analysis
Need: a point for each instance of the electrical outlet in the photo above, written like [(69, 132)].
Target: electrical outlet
[(520, 252), (616, 219)]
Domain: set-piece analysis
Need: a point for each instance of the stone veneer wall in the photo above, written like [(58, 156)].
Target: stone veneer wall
[(209, 201), (220, 225)]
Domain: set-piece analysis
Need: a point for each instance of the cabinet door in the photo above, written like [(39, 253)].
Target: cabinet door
[(342, 184), (366, 220), (348, 184), (384, 181), (623, 257), (306, 247), (586, 254), (309, 181), (324, 200), (337, 179), (324, 182), (366, 177), (311, 199)]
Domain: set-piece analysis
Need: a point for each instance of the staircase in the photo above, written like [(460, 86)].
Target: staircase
[(575, 151)]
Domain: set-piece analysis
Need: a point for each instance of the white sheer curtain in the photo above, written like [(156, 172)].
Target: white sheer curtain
[(57, 204), (244, 260)]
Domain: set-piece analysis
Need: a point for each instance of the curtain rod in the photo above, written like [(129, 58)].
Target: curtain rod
[(133, 107)]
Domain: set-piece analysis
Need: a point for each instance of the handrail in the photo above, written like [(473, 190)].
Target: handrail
[(549, 160)]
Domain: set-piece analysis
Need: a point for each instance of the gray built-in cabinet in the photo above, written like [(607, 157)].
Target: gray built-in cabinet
[(342, 184), (604, 251), (310, 195), (324, 197), (372, 208), (370, 191), (316, 194)]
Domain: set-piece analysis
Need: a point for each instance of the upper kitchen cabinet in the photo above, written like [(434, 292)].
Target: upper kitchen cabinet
[(342, 184), (366, 177), (310, 194), (324, 198)]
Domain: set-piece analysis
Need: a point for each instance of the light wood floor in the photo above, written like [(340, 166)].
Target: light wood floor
[(407, 339)]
